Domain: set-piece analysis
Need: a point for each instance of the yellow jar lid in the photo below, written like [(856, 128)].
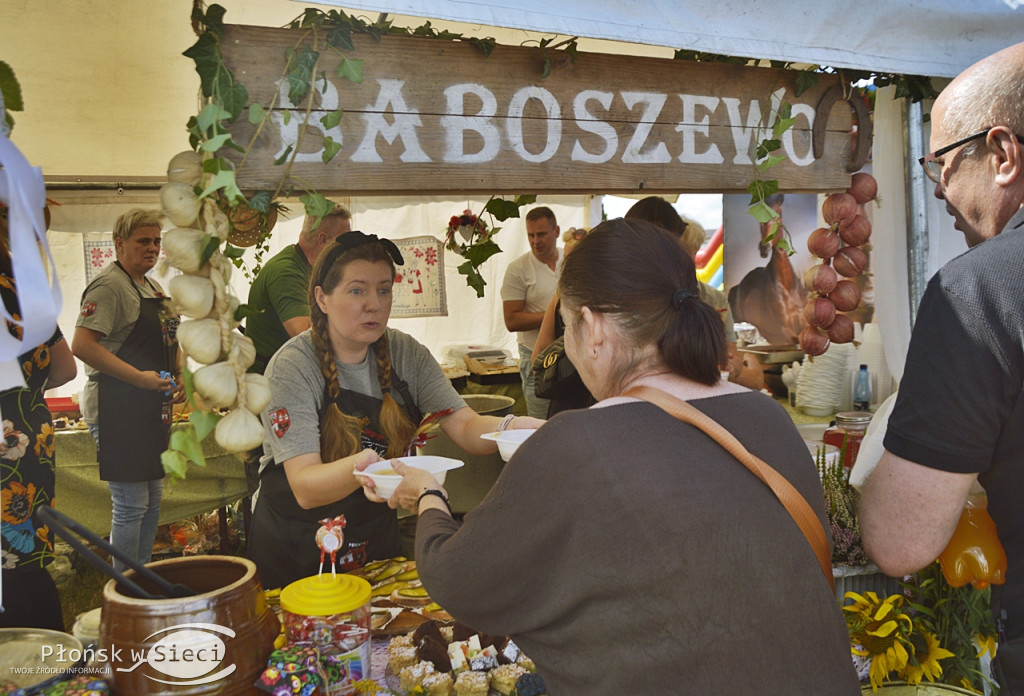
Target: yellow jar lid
[(324, 595)]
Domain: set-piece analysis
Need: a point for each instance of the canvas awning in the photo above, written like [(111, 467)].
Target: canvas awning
[(937, 38)]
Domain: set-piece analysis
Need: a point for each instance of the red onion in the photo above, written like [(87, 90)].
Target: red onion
[(823, 243), (863, 187), (813, 341), (846, 296), (856, 231), (841, 330), (820, 312), (850, 261), (838, 207), (820, 278)]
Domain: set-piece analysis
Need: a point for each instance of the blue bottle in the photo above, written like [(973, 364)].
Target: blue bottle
[(862, 390)]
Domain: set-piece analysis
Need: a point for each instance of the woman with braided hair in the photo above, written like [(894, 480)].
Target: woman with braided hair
[(346, 393)]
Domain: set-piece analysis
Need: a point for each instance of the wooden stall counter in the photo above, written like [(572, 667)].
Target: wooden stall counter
[(83, 497)]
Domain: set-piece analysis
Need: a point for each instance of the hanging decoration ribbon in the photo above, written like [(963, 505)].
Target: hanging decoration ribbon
[(23, 192)]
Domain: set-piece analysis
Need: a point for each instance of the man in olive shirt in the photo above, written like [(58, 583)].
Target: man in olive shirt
[(280, 292), (279, 297)]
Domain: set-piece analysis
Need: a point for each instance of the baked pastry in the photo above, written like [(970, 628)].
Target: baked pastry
[(435, 651), (448, 633), (472, 684), (526, 663), (401, 657), (428, 628), (437, 684), (483, 663), (504, 678), (411, 677)]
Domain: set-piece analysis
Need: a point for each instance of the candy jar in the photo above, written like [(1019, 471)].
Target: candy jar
[(848, 432), (331, 612)]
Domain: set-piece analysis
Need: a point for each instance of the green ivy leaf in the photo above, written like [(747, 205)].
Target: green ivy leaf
[(256, 114), (210, 245), (214, 19), (232, 252), (770, 161), (186, 378), (316, 205), (502, 209), (224, 179), (481, 252), (762, 212), (184, 440), (286, 116), (301, 64), (340, 38), (766, 147), (233, 95), (10, 88), (331, 119), (473, 278), (805, 79), (205, 52), (260, 201), (204, 422), (485, 46), (216, 142), (526, 199), (244, 311), (547, 67), (174, 463), (351, 69), (331, 149), (284, 155)]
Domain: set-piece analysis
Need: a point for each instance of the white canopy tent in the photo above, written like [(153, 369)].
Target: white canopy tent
[(938, 38), (107, 94)]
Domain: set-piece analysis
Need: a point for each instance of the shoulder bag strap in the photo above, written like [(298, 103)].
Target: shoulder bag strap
[(787, 494)]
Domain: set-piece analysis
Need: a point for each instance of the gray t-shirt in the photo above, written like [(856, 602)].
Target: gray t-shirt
[(291, 424), (110, 306)]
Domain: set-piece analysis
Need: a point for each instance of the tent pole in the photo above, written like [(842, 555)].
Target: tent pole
[(917, 219)]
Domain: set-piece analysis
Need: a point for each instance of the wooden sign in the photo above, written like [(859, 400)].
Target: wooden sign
[(434, 116)]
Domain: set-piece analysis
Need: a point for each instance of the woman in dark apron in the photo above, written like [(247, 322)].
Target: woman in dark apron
[(338, 404), (135, 392)]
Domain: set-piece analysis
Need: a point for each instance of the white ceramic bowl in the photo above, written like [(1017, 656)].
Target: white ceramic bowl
[(509, 440), (386, 483)]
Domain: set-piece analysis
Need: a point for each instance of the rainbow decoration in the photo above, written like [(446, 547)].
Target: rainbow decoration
[(708, 260)]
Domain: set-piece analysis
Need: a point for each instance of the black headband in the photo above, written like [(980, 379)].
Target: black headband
[(350, 240)]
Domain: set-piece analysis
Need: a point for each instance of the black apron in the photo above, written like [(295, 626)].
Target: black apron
[(282, 534), (134, 423)]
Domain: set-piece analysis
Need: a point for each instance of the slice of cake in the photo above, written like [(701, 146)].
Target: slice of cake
[(503, 678), (472, 684), (411, 677), (438, 684)]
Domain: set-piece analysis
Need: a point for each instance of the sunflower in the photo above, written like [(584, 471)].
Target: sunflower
[(925, 661), (881, 631)]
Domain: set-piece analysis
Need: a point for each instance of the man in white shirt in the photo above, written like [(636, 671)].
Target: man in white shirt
[(529, 283)]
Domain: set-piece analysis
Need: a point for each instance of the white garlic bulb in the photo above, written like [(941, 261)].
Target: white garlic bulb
[(257, 393), (192, 294), (184, 248), (242, 350), (180, 203), (186, 168), (239, 431), (200, 339), (217, 384)]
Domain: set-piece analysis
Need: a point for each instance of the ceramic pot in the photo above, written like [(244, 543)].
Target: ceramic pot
[(216, 642)]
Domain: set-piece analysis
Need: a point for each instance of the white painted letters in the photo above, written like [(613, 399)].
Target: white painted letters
[(590, 123), (634, 153), (516, 108), (456, 124), (692, 125), (405, 120)]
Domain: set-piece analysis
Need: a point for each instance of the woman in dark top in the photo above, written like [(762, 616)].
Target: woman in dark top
[(28, 473), (626, 552)]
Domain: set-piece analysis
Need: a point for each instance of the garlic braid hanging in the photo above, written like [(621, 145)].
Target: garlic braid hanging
[(201, 292)]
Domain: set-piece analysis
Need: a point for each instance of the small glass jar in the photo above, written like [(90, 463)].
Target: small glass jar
[(848, 432), (331, 612)]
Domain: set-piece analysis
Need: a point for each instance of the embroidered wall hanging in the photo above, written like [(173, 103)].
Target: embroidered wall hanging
[(419, 286)]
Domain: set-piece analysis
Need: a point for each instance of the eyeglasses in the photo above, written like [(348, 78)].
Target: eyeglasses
[(933, 165)]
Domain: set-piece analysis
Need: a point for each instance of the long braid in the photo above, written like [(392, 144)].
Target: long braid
[(394, 422), (339, 433)]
